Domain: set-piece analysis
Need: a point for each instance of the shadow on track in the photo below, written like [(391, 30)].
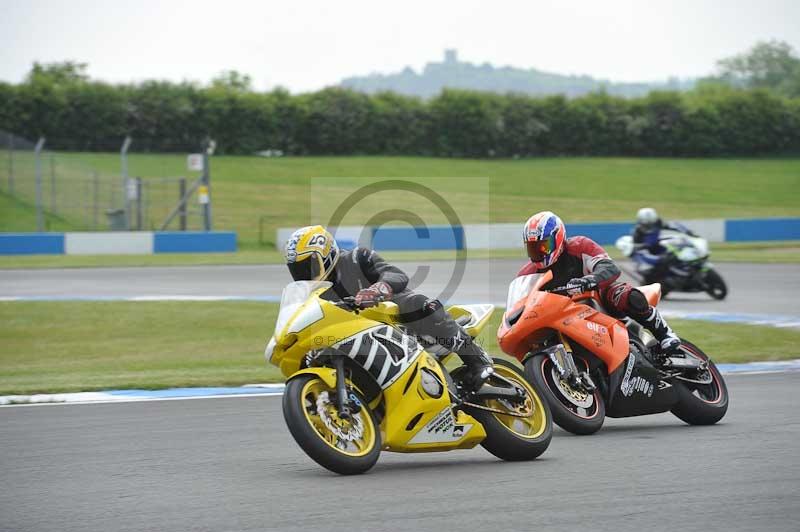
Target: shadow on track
[(471, 464), (677, 426)]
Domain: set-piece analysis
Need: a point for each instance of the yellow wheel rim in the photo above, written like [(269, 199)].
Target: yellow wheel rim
[(534, 422), (351, 437)]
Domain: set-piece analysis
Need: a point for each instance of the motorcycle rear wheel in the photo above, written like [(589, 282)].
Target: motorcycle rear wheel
[(347, 447), (701, 404), (581, 414), (514, 438)]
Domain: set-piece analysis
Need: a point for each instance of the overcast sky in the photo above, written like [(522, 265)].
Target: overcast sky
[(307, 44)]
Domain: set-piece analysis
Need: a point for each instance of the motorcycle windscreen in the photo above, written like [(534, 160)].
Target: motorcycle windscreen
[(521, 287), (294, 295)]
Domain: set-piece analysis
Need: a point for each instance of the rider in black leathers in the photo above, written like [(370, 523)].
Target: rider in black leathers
[(364, 274)]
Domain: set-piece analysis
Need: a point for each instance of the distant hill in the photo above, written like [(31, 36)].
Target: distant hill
[(452, 73)]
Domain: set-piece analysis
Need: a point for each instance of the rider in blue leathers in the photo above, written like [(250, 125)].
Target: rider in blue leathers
[(646, 240)]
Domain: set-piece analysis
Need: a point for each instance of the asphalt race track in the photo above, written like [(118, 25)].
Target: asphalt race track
[(754, 288), (230, 464)]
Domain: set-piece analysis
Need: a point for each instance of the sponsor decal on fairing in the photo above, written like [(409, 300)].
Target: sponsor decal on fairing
[(441, 429), (632, 384)]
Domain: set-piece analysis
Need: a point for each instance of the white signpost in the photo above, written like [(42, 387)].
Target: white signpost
[(195, 162)]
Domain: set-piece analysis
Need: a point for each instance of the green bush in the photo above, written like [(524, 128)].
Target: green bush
[(75, 113)]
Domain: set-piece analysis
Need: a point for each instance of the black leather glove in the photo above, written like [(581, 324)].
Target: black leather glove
[(372, 295), (581, 285)]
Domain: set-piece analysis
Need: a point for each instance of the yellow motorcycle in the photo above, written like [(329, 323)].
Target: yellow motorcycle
[(359, 382)]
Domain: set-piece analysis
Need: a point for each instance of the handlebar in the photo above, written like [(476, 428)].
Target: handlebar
[(561, 290), (564, 291), (349, 303)]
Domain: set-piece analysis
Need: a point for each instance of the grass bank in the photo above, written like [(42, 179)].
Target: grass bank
[(278, 192), (62, 347)]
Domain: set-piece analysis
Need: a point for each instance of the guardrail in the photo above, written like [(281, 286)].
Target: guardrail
[(509, 235), (117, 243)]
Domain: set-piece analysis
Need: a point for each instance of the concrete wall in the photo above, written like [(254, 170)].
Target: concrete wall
[(117, 243)]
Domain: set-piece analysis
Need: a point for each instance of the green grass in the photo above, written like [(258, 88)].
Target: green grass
[(20, 217), (61, 347), (90, 346), (276, 192), (724, 342), (755, 252)]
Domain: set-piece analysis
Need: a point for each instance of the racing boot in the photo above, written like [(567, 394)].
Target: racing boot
[(654, 322), (479, 364)]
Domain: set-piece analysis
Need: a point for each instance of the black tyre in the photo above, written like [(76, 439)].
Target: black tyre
[(515, 438), (701, 404), (573, 411), (347, 447), (715, 285)]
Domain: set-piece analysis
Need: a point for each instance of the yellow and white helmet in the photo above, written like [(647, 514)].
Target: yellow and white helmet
[(311, 253)]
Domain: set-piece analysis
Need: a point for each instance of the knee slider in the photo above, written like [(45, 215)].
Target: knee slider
[(420, 308), (424, 305)]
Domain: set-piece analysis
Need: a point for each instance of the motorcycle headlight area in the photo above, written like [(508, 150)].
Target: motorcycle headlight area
[(430, 383)]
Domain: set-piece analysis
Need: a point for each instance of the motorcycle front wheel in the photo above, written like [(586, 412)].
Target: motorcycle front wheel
[(715, 285), (344, 446), (524, 435), (573, 410)]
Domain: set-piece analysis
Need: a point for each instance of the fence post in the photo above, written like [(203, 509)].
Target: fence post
[(39, 207), (123, 155), (52, 184), (182, 204), (10, 164), (139, 204), (95, 198), (207, 152)]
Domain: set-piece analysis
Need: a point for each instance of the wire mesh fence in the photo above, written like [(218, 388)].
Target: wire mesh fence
[(160, 205), (57, 190), (59, 186), (20, 167)]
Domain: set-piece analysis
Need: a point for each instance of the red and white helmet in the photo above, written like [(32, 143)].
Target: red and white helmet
[(544, 236)]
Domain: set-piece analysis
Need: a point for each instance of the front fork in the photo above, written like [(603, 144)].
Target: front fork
[(345, 405), (561, 356)]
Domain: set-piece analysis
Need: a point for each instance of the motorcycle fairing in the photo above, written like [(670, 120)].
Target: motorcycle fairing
[(383, 351), (473, 318), (415, 420), (396, 362), (600, 333), (636, 389)]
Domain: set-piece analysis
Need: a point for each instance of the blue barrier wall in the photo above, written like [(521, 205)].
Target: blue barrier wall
[(31, 243), (194, 242), (603, 234), (417, 238), (133, 242), (606, 234), (762, 229)]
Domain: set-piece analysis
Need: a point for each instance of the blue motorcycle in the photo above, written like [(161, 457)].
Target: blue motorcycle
[(683, 268)]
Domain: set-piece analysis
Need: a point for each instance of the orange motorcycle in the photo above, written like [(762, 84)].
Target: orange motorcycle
[(589, 365)]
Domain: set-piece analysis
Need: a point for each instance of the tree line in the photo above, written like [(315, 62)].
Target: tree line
[(717, 118)]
